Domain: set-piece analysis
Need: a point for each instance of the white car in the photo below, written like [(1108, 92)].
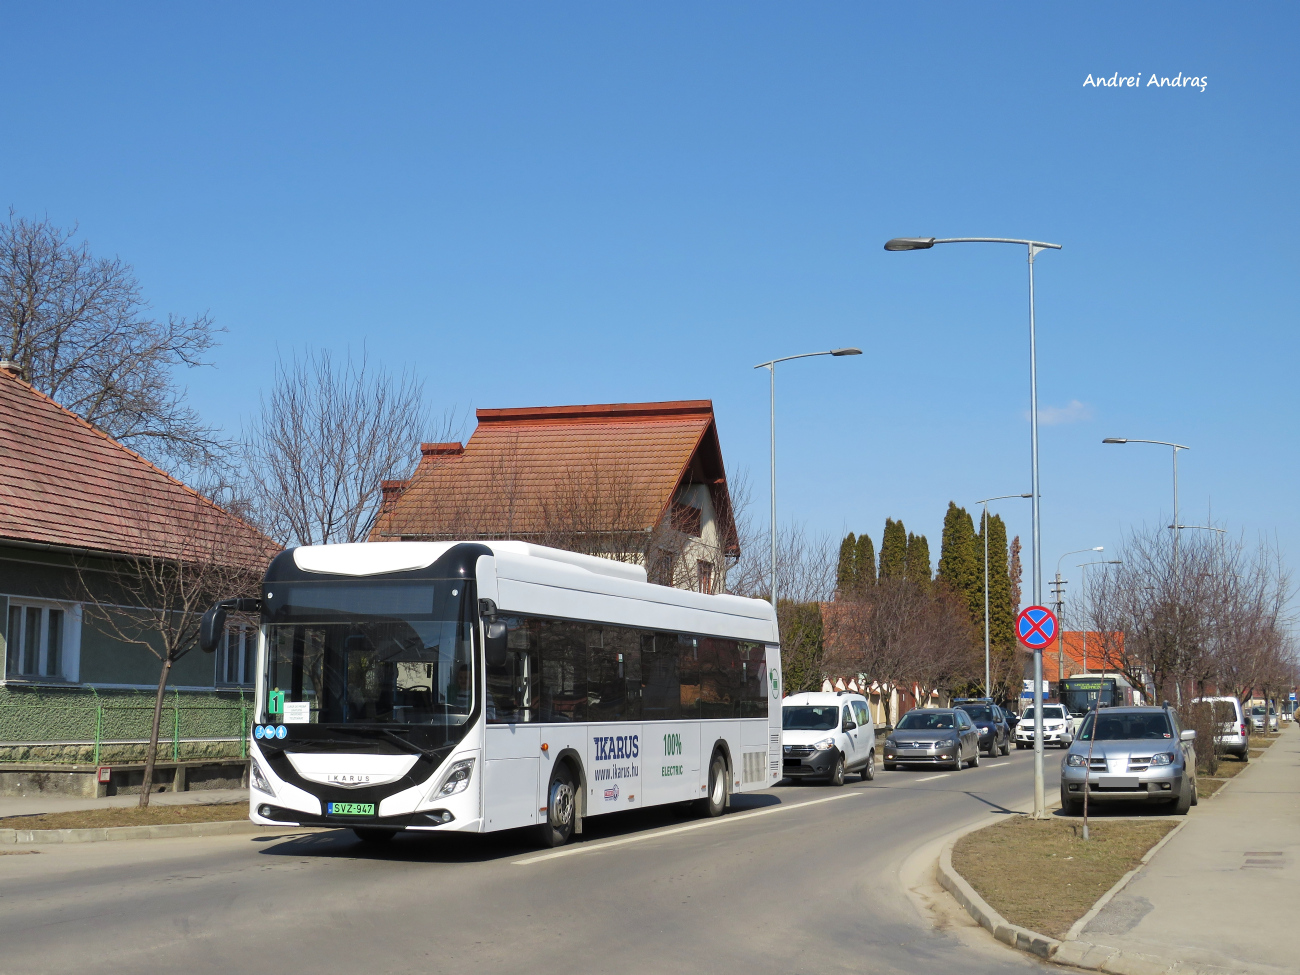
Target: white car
[(1232, 736), (824, 735), (1057, 729)]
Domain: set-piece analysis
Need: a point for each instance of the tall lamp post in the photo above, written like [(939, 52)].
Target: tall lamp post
[(771, 368), (1060, 651), (1173, 527), (1033, 246), (984, 530)]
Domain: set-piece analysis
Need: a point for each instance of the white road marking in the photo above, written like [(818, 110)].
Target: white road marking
[(734, 818), (998, 765), (930, 778)]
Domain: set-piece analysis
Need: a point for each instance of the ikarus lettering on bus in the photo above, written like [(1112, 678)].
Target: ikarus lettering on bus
[(615, 757)]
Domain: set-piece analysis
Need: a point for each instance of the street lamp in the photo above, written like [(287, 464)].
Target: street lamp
[(771, 368), (984, 530), (1033, 246), (1083, 579), (1060, 651), (1173, 527)]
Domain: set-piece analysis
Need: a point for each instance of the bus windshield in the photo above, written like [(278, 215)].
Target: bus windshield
[(1080, 696), (371, 653)]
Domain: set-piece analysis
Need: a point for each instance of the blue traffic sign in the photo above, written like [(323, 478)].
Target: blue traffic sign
[(1036, 627)]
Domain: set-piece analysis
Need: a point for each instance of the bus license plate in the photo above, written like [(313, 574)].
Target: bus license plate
[(351, 808)]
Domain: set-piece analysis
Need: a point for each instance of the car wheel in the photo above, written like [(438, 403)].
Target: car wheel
[(869, 770), (975, 759), (957, 763), (837, 770), (1184, 802), (1020, 745), (1071, 807), (1196, 794), (1006, 747)]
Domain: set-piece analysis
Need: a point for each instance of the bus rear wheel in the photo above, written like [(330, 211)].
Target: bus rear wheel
[(561, 810), (716, 801)]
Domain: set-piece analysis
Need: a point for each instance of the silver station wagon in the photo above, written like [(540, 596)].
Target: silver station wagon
[(1138, 755)]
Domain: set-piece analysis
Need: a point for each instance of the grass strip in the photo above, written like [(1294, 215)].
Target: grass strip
[(131, 816), (1042, 875)]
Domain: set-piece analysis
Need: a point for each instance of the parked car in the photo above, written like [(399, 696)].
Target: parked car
[(991, 722), (825, 735), (933, 736), (1232, 736), (1257, 718), (1056, 727), (1140, 754)]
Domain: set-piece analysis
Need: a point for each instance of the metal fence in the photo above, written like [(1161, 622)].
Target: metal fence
[(107, 730)]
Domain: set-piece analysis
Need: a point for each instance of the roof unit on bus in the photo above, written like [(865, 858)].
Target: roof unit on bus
[(376, 558)]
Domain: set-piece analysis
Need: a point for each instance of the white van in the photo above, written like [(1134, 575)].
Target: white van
[(826, 734)]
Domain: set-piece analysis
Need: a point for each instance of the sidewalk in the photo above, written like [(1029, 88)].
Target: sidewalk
[(34, 805), (1224, 893)]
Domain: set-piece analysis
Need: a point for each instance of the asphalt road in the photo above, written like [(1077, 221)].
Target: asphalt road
[(801, 879)]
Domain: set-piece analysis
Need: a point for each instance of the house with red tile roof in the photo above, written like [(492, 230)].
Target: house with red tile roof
[(74, 502), (636, 482)]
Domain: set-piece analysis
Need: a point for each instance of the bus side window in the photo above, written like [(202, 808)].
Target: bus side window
[(564, 670), (687, 649), (662, 688), (753, 680), (613, 669), (511, 687), (720, 689)]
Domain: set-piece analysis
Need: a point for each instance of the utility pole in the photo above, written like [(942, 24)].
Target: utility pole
[(1058, 590)]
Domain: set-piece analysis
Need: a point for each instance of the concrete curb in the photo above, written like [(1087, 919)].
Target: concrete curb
[(1070, 951), (27, 837)]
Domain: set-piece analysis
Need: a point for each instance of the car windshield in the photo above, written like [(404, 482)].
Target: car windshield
[(823, 717), (980, 712), (1256, 710), (921, 721), (1134, 726), (1054, 713)]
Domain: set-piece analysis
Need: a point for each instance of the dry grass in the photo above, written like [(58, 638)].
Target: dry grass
[(1206, 786), (130, 816), (1042, 875)]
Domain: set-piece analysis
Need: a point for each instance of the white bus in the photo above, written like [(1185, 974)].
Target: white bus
[(466, 686)]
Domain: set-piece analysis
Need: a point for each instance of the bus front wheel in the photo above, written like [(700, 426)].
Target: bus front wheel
[(561, 809), (716, 801)]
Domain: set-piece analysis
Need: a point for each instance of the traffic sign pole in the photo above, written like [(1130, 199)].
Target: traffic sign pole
[(1035, 628)]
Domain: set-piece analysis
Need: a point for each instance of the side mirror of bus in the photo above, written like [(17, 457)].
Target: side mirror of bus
[(211, 627), (495, 649)]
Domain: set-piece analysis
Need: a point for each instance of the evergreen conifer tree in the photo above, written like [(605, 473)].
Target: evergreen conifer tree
[(893, 550), (918, 558), (959, 566), (1002, 616), (865, 561), (846, 573)]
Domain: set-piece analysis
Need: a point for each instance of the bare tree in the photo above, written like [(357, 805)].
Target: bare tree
[(81, 330), (181, 559), (326, 437), (1218, 619)]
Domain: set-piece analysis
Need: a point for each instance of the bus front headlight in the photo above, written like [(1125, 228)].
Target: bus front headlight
[(457, 780), (257, 780)]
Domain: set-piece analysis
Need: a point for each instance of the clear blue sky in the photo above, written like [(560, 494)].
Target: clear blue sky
[(560, 203)]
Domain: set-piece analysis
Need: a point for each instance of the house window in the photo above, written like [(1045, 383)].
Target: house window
[(237, 659), (705, 570), (687, 519), (36, 636), (661, 569)]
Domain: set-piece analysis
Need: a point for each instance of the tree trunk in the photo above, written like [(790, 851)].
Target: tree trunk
[(151, 755)]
